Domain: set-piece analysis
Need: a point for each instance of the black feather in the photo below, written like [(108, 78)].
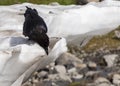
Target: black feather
[(35, 28)]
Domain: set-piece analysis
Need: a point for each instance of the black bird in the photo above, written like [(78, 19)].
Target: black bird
[(35, 28)]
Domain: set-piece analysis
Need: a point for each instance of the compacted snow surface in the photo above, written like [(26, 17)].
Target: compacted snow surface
[(17, 54)]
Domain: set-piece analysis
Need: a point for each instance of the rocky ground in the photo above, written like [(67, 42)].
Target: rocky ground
[(78, 67), (101, 68)]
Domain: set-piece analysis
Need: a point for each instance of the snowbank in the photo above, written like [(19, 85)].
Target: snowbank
[(65, 20), (19, 57)]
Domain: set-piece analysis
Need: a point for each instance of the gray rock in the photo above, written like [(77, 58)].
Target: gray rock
[(92, 65), (77, 78), (92, 73), (68, 59), (110, 59), (101, 80), (52, 64), (104, 84), (60, 69), (112, 85), (59, 77), (47, 82), (72, 70), (53, 77), (42, 74), (80, 66), (54, 84), (51, 68), (116, 79), (35, 80), (39, 84), (64, 77)]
